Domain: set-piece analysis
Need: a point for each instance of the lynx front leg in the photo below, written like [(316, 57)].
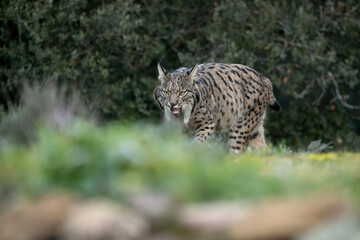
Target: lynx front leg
[(204, 132)]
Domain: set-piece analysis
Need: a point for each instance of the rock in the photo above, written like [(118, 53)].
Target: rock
[(345, 227), (38, 219), (286, 219), (264, 221), (163, 236), (211, 218), (153, 205), (156, 217), (100, 219)]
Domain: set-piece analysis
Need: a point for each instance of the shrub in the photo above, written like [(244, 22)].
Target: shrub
[(109, 50)]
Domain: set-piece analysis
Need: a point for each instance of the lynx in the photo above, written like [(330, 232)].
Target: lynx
[(230, 98)]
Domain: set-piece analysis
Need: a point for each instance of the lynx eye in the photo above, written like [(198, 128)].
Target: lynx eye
[(182, 93), (165, 93)]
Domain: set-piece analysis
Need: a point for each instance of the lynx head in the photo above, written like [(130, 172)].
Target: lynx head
[(176, 93)]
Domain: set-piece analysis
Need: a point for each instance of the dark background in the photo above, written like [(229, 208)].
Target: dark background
[(108, 50)]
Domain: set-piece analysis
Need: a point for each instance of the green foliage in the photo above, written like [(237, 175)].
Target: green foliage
[(118, 159), (109, 50)]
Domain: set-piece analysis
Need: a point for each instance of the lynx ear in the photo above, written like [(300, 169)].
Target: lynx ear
[(192, 73), (163, 74)]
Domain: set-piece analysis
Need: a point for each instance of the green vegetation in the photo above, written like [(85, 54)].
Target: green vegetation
[(117, 159), (109, 50)]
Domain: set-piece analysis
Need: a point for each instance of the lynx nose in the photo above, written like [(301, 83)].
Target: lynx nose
[(172, 104)]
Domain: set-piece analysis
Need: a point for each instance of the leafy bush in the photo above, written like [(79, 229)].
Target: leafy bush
[(109, 50), (118, 159), (45, 104)]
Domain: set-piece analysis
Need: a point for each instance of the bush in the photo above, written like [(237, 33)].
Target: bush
[(120, 159), (109, 50), (46, 104)]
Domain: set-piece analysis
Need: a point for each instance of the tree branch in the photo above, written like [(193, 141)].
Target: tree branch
[(339, 96)]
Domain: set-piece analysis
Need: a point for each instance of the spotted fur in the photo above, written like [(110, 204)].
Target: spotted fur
[(230, 98)]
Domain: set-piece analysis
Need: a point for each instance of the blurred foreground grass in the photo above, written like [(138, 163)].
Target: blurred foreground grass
[(117, 159)]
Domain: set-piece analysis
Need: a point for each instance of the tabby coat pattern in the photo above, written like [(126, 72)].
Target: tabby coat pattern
[(230, 98)]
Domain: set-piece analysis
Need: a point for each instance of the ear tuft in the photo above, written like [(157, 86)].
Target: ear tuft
[(163, 74), (192, 73)]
